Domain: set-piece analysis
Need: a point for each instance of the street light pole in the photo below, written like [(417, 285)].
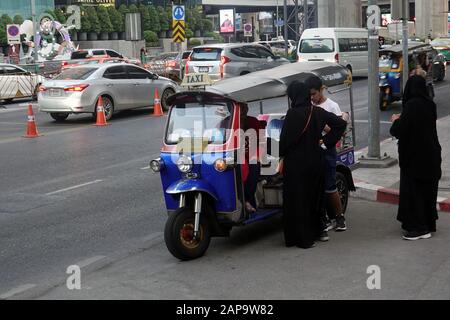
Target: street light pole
[(285, 18), (405, 18), (33, 16)]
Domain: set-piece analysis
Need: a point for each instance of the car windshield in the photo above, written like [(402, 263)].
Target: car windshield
[(200, 121), (317, 46), (79, 55), (206, 54), (75, 74)]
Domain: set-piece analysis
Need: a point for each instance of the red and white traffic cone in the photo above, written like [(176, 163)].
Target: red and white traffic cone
[(32, 131)]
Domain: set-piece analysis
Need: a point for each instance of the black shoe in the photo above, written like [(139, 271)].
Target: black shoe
[(330, 225), (340, 224), (414, 235), (324, 236)]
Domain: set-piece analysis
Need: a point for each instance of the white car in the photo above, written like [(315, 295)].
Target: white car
[(16, 82)]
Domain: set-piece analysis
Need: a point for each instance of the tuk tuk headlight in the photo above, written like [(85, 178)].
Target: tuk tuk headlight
[(220, 165), (398, 76), (184, 164), (383, 76), (157, 165)]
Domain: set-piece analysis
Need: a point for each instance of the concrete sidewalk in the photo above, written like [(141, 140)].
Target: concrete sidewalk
[(382, 184)]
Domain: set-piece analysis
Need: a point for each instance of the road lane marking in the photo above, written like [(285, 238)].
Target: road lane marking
[(74, 187), (145, 168), (85, 263), (16, 291)]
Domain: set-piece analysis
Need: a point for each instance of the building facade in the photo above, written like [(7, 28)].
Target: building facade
[(23, 7)]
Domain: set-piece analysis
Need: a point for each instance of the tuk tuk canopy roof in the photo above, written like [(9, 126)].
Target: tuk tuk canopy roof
[(412, 48), (273, 83)]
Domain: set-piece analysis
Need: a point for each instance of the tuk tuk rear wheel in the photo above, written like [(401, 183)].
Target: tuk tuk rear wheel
[(179, 235), (343, 189)]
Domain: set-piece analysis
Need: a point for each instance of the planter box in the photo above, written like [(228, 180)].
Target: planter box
[(104, 36), (114, 36), (82, 36), (74, 36), (122, 35), (92, 36), (163, 34)]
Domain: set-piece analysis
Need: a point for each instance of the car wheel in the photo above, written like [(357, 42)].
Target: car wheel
[(166, 94), (108, 106), (59, 117)]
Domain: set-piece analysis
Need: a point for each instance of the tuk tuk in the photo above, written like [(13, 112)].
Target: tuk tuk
[(199, 165), (420, 56)]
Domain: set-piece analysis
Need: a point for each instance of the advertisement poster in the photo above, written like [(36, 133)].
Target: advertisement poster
[(238, 22), (226, 21), (266, 23)]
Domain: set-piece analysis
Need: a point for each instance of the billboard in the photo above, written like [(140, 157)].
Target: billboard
[(266, 23), (226, 20)]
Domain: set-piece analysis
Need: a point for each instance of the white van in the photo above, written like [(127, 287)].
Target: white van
[(347, 46)]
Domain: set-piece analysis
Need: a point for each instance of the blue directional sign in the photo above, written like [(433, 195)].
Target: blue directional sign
[(178, 13)]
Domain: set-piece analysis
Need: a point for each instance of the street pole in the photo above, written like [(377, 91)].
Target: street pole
[(33, 16), (276, 24), (374, 111), (405, 18), (285, 18)]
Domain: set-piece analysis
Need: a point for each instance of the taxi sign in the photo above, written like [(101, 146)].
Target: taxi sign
[(196, 80)]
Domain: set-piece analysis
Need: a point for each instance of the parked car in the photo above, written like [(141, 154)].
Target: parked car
[(443, 46), (122, 86), (231, 60), (159, 63), (90, 61), (89, 53), (278, 46), (16, 82)]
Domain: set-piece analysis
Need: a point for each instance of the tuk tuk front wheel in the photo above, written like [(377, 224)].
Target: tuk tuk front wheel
[(343, 189), (384, 101), (179, 234)]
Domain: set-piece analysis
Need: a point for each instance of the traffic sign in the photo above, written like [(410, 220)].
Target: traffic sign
[(178, 31), (248, 28), (13, 32), (178, 13)]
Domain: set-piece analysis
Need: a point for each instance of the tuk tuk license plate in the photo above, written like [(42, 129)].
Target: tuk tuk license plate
[(55, 93), (203, 69)]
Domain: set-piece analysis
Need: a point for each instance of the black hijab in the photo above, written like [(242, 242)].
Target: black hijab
[(299, 95), (416, 87)]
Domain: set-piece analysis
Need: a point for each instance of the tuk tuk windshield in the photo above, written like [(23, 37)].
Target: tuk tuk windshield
[(200, 121)]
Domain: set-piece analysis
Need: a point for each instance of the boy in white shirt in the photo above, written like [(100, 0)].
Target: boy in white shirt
[(334, 205)]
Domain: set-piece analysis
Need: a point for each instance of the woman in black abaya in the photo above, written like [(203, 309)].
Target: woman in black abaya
[(420, 160), (303, 166)]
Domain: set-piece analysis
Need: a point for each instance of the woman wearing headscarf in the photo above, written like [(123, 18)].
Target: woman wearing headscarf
[(303, 165), (420, 160)]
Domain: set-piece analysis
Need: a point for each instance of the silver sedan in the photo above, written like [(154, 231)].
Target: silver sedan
[(122, 86)]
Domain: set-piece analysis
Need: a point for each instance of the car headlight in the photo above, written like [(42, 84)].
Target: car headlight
[(184, 164), (157, 165)]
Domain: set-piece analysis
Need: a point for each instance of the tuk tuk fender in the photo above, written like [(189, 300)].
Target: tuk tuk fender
[(342, 168), (191, 185)]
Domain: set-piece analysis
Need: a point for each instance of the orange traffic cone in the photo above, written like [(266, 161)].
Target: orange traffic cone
[(32, 131), (101, 119), (157, 109)]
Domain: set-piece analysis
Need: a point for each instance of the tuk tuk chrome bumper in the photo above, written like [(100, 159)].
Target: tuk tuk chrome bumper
[(191, 185)]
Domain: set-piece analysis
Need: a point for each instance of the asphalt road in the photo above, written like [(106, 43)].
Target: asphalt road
[(79, 192)]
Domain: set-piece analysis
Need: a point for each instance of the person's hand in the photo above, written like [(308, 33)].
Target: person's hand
[(395, 117)]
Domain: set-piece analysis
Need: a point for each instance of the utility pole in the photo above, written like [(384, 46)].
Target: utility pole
[(285, 18), (405, 18), (33, 16)]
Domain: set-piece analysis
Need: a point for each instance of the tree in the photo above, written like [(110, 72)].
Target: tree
[(150, 37), (163, 21), (123, 10), (189, 33), (4, 20), (116, 19), (85, 23), (145, 16), (93, 19), (190, 21), (133, 9), (18, 19), (59, 16), (197, 17), (207, 25), (155, 26), (103, 18)]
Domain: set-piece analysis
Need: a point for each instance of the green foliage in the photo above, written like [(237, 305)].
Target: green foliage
[(217, 37), (207, 25), (18, 19), (59, 16), (116, 19), (123, 9), (4, 20), (190, 22), (145, 17), (93, 20), (163, 20), (85, 23), (151, 38), (197, 18), (194, 42), (154, 26), (189, 33), (103, 18), (51, 13), (133, 9)]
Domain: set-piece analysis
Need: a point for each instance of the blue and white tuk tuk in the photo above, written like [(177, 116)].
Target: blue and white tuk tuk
[(201, 174)]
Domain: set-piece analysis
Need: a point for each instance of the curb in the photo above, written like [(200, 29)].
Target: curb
[(375, 193)]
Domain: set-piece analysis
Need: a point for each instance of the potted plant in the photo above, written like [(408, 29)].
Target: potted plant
[(116, 21), (85, 26), (163, 21), (105, 23), (122, 10), (95, 24), (153, 22)]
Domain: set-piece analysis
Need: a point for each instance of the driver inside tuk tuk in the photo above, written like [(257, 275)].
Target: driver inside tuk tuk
[(251, 168)]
